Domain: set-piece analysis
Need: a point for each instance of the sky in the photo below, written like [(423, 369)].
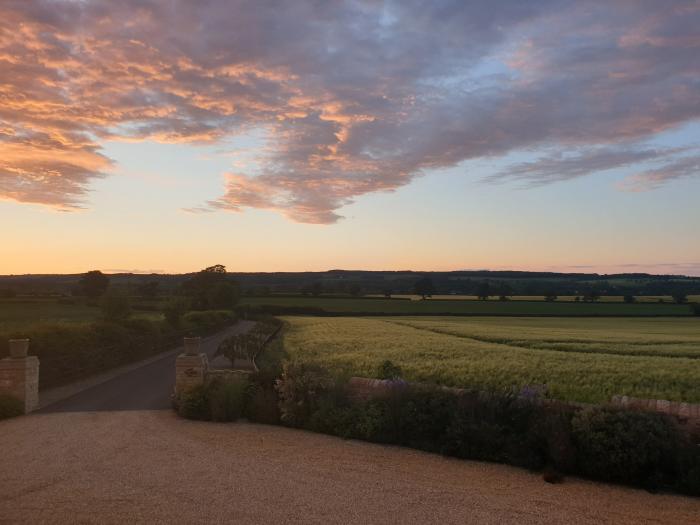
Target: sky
[(169, 135)]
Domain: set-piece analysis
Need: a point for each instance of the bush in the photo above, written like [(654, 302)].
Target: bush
[(640, 448), (227, 397), (222, 399), (115, 307), (194, 404), (497, 427), (10, 407), (388, 370), (300, 389), (263, 406), (173, 312)]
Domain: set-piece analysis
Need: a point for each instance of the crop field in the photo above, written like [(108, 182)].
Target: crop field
[(470, 307), (585, 359), (21, 315), (562, 298)]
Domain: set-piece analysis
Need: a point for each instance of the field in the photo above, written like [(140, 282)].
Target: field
[(586, 359), (21, 315), (562, 298), (360, 305)]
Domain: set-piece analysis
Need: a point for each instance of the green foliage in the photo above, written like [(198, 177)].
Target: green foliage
[(10, 407), (282, 305), (263, 405), (174, 310), (388, 370), (115, 307), (72, 351), (680, 297), (93, 284), (300, 388), (148, 289), (222, 399), (628, 447), (210, 289), (227, 397), (424, 287), (197, 323), (194, 404)]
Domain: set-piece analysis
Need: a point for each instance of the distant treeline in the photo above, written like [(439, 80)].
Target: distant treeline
[(379, 282)]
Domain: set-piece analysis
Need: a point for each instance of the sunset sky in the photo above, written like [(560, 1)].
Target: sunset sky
[(169, 135)]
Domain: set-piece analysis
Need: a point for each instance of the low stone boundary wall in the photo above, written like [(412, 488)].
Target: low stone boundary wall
[(364, 389), (688, 414)]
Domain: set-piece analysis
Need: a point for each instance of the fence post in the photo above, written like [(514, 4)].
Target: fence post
[(190, 366), (19, 375)]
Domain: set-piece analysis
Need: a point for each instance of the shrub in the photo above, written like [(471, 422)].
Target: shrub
[(173, 312), (497, 427), (640, 448), (115, 307), (388, 370), (263, 406), (194, 404), (10, 406), (227, 397), (300, 388)]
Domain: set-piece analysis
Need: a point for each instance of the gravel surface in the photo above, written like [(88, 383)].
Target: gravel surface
[(151, 467)]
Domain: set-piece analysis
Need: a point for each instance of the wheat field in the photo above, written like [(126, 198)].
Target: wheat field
[(583, 359)]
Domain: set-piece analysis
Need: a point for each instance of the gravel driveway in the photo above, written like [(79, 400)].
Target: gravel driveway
[(150, 467)]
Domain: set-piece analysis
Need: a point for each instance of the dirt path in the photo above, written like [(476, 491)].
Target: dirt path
[(150, 466)]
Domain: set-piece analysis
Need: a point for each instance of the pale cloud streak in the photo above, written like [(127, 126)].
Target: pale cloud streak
[(355, 97)]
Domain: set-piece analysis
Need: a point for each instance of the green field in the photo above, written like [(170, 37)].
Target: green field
[(584, 359), (21, 315), (361, 305), (562, 298)]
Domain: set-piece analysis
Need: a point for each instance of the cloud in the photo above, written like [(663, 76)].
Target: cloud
[(562, 166), (652, 179), (354, 97)]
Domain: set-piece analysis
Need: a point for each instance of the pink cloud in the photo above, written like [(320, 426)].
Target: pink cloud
[(356, 97)]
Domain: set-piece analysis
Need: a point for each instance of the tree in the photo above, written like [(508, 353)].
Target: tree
[(316, 289), (424, 287), (148, 290), (355, 289), (174, 311), (211, 289), (592, 295), (115, 307), (680, 297), (93, 284), (483, 291)]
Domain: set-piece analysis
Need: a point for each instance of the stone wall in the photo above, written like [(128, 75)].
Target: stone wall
[(688, 414), (190, 371)]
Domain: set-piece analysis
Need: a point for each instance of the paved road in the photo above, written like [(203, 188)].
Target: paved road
[(145, 388)]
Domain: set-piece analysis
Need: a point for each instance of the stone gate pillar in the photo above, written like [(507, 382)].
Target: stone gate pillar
[(19, 375), (190, 366)]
